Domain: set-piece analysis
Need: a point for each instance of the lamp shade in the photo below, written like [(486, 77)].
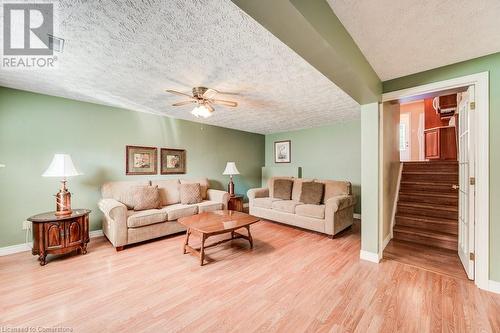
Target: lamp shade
[(61, 166), (231, 169)]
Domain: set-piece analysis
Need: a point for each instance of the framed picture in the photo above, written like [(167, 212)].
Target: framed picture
[(282, 151), (141, 160), (172, 161)]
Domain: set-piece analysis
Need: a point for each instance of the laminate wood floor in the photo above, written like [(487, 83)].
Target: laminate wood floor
[(433, 259), (292, 281)]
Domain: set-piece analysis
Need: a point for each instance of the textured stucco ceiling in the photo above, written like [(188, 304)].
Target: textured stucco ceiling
[(126, 53), (409, 36)]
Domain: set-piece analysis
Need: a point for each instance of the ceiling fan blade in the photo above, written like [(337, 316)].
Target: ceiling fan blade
[(184, 103), (209, 93), (209, 107), (179, 93), (224, 102)]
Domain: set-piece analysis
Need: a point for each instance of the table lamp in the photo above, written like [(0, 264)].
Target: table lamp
[(231, 170), (62, 166)]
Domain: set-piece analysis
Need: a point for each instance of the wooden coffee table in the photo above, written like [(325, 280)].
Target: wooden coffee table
[(215, 223)]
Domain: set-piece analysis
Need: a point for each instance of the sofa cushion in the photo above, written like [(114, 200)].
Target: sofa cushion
[(264, 202), (297, 187), (334, 188), (307, 210), (145, 217), (270, 184), (120, 191), (312, 193), (169, 191), (203, 185), (209, 206), (146, 197), (283, 189), (190, 193), (287, 206), (177, 211)]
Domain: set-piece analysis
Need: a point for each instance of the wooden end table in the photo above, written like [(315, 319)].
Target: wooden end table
[(235, 203), (53, 234), (214, 223)]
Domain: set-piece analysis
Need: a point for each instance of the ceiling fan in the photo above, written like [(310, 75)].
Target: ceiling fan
[(204, 98)]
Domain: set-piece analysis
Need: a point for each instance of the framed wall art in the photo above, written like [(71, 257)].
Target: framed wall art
[(141, 160), (172, 161), (282, 151)]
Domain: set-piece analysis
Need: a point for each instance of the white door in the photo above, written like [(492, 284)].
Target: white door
[(466, 180), (404, 137)]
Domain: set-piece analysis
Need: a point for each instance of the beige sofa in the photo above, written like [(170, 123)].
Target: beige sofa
[(123, 226), (334, 214)]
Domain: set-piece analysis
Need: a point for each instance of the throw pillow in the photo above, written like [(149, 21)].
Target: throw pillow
[(282, 189), (312, 193), (204, 184), (190, 193), (146, 197)]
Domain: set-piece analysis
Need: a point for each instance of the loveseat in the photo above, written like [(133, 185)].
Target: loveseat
[(123, 226), (332, 214)]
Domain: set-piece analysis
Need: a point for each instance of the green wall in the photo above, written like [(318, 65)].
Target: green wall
[(33, 127), (328, 152), (489, 63)]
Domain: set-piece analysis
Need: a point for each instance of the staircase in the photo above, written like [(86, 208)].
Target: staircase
[(427, 210)]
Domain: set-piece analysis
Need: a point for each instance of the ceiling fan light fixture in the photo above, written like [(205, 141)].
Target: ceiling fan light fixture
[(201, 111)]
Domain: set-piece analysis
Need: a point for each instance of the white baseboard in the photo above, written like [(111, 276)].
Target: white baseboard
[(96, 233), (369, 256), (357, 216), (494, 286), (4, 251)]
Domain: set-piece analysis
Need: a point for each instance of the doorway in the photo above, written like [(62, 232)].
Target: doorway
[(472, 141)]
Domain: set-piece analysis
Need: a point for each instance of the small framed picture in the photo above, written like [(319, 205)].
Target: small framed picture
[(172, 161), (282, 151), (141, 160)]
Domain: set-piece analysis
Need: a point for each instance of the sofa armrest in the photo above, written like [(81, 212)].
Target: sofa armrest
[(340, 202), (258, 193), (339, 213), (114, 225), (218, 196)]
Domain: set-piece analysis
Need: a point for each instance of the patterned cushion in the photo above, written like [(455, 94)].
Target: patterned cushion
[(312, 193), (203, 184), (283, 189), (121, 191), (146, 197), (190, 193)]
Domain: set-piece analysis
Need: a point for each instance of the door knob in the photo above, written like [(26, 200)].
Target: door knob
[(455, 187)]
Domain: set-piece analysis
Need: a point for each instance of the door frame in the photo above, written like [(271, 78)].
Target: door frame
[(481, 215)]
